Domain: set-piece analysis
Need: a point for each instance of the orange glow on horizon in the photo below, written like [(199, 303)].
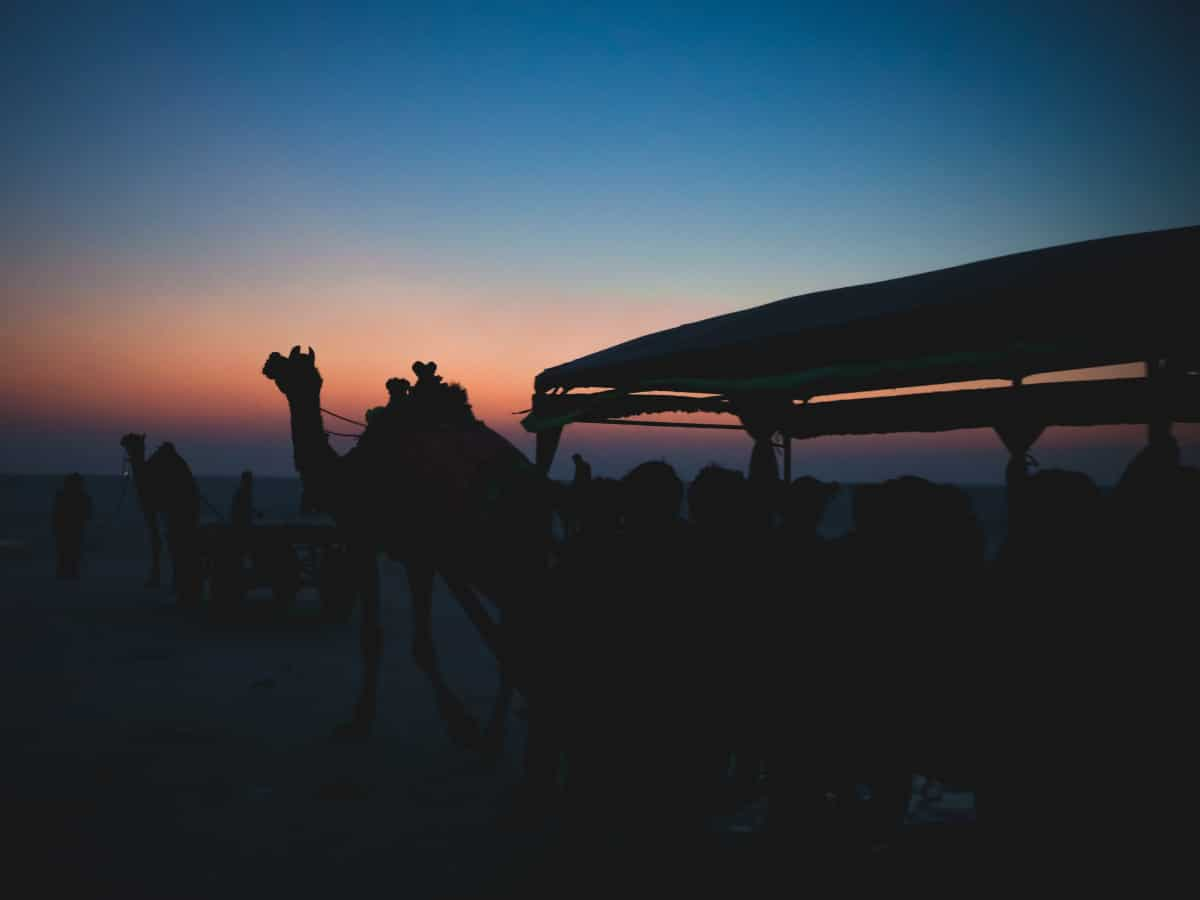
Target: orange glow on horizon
[(140, 351), (135, 351)]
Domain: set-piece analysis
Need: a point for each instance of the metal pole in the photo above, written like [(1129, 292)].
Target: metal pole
[(1158, 428), (546, 447)]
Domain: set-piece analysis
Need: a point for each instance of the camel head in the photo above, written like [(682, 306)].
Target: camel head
[(134, 445), (295, 373)]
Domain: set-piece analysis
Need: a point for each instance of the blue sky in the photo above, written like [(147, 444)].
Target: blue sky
[(567, 176)]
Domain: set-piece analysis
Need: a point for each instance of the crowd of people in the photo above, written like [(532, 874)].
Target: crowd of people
[(690, 665)]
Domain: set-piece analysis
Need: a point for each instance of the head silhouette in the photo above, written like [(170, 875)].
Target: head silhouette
[(720, 499), (653, 493), (912, 519), (1060, 503), (805, 501), (879, 509), (1147, 489), (398, 389), (1061, 517)]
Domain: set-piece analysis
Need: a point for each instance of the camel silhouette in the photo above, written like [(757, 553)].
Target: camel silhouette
[(165, 487), (428, 484)]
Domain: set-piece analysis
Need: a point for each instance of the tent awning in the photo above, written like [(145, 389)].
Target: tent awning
[(1094, 303)]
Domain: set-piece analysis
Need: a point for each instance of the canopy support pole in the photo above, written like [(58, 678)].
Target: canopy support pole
[(762, 461), (763, 418), (1018, 435), (1158, 428), (547, 446), (787, 458)]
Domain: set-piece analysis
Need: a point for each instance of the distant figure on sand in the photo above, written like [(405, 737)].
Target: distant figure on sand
[(242, 513), (572, 507), (72, 509), (583, 470)]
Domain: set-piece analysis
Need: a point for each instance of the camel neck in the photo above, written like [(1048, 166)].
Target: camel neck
[(137, 465), (311, 452)]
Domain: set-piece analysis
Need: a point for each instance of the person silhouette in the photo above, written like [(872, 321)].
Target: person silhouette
[(804, 627), (242, 512), (574, 495), (916, 558), (803, 506), (72, 509), (634, 714), (583, 470), (661, 652), (729, 607), (179, 498), (1058, 586)]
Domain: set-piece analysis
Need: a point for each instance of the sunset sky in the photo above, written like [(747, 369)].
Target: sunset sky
[(504, 187)]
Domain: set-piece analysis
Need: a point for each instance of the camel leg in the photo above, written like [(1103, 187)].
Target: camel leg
[(175, 549), (492, 634), (498, 722), (366, 575), (463, 729), (479, 617), (185, 564), (155, 576), (514, 641), (460, 724), (420, 585)]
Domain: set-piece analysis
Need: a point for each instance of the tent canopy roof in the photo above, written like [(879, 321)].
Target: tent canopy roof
[(1093, 303)]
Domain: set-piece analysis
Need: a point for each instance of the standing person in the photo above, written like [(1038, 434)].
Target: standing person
[(634, 708), (917, 553), (176, 495), (72, 509), (728, 614), (575, 494), (803, 649), (583, 471), (242, 512)]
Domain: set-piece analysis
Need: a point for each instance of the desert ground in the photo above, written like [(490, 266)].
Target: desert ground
[(151, 752)]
